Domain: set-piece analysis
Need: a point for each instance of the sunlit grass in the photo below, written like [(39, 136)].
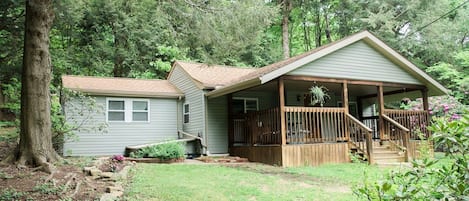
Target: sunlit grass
[(212, 182)]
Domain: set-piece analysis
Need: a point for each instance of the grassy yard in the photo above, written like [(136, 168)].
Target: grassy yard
[(247, 182)]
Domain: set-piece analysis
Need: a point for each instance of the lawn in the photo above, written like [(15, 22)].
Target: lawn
[(246, 182)]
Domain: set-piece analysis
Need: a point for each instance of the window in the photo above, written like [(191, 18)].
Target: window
[(186, 113), (127, 110), (243, 105), (116, 110), (139, 110)]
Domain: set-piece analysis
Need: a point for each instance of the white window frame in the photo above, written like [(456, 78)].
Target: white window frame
[(128, 109), (244, 99), (184, 113)]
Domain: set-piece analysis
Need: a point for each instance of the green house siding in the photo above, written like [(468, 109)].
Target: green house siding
[(162, 126), (217, 125), (357, 61)]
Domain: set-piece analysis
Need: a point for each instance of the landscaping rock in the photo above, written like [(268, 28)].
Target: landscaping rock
[(111, 196), (95, 172), (114, 189), (106, 175)]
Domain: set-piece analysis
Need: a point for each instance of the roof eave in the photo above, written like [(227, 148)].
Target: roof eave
[(435, 88), (233, 88), (98, 92)]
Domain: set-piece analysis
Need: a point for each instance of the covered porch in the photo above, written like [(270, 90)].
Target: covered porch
[(275, 123)]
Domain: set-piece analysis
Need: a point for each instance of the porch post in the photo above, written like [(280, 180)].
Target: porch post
[(345, 105), (381, 111), (230, 121), (281, 94), (425, 99)]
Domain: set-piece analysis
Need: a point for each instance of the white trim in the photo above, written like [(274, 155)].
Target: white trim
[(128, 109)]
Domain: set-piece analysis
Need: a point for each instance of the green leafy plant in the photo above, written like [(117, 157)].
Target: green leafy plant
[(431, 179), (167, 151), (48, 188), (11, 194), (318, 95), (83, 107)]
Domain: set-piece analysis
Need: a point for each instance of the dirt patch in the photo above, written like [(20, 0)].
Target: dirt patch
[(68, 182)]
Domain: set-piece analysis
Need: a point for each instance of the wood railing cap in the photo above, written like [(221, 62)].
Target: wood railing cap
[(400, 126), (359, 123)]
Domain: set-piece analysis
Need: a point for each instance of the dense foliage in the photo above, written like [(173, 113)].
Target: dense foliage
[(142, 38), (431, 179), (166, 151)]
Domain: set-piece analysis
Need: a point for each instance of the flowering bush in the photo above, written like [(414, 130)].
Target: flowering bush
[(439, 106), (118, 158)]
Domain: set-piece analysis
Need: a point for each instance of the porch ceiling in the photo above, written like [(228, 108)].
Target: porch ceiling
[(354, 90)]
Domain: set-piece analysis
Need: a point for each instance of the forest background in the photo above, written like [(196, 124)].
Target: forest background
[(141, 39)]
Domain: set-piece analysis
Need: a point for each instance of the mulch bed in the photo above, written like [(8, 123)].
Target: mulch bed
[(67, 182)]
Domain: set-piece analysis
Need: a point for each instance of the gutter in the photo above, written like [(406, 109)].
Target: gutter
[(233, 88)]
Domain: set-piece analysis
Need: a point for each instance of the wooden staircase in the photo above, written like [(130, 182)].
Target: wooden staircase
[(384, 154)]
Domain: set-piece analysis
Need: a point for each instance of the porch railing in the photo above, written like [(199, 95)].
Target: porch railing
[(397, 135), (314, 125), (415, 121), (265, 126), (241, 132), (360, 137), (372, 122)]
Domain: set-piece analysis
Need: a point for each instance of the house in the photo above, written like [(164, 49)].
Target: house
[(265, 114)]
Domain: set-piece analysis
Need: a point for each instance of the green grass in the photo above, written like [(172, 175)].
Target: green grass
[(345, 173), (259, 182)]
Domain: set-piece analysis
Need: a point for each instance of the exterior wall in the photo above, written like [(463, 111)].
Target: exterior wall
[(217, 125), (356, 61), (196, 99), (162, 126)]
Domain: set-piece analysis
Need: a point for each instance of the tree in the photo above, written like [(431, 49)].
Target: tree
[(286, 9), (35, 147)]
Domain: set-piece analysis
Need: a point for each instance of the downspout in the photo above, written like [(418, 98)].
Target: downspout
[(205, 134)]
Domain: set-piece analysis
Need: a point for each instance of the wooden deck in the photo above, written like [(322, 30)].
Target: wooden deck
[(295, 155)]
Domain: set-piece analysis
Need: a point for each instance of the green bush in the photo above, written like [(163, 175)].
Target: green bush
[(167, 151), (445, 178)]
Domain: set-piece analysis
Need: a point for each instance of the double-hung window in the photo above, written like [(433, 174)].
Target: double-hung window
[(128, 110), (186, 113)]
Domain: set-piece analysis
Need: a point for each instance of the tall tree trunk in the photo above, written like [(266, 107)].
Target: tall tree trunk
[(326, 24), (318, 33), (35, 147), (287, 6)]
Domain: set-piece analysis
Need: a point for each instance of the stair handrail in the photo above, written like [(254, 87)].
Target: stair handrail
[(405, 139), (368, 137), (180, 132)]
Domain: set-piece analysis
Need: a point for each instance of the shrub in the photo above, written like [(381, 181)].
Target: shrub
[(431, 179), (167, 151)]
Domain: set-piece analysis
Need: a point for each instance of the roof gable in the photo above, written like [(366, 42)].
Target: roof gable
[(357, 61), (273, 71), (121, 86)]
